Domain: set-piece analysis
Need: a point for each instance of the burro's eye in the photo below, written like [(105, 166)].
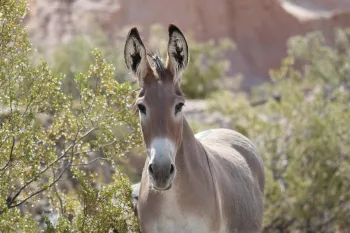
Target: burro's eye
[(142, 108), (178, 107)]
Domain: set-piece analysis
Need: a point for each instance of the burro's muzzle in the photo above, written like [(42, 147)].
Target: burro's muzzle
[(161, 166)]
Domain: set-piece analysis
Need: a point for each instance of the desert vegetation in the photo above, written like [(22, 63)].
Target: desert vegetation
[(301, 132), (66, 130)]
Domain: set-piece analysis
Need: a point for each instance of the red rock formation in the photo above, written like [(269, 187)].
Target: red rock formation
[(260, 28)]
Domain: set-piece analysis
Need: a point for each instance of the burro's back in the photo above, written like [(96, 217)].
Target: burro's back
[(238, 174)]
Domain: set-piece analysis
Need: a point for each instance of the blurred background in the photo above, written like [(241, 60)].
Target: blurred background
[(65, 31), (277, 71), (260, 29)]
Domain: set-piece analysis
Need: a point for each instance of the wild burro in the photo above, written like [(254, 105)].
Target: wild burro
[(209, 182)]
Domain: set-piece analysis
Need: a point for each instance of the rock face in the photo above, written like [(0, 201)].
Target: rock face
[(324, 5), (259, 28)]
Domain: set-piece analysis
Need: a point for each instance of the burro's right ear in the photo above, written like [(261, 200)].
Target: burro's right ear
[(135, 56)]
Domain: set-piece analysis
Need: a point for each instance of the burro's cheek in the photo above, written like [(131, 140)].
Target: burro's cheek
[(177, 137), (147, 136)]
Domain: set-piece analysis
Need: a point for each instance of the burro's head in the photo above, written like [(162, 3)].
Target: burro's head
[(159, 102)]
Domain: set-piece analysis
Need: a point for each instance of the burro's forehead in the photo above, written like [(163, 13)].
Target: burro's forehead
[(161, 94), (159, 90)]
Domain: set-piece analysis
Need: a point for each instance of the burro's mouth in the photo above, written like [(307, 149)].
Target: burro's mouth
[(161, 183), (162, 189)]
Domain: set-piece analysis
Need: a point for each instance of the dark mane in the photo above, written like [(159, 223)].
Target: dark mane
[(156, 62)]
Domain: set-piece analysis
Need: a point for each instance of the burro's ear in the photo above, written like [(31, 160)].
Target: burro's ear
[(135, 56), (178, 54)]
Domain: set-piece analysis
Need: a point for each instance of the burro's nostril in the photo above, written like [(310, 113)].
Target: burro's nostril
[(150, 168), (163, 171), (172, 169)]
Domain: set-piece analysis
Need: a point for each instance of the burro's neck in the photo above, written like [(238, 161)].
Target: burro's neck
[(192, 162), (192, 197), (193, 177)]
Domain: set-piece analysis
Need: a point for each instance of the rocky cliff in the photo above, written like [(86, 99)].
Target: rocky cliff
[(259, 28)]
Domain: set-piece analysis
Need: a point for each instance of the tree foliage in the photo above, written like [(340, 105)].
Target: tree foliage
[(59, 147), (49, 139), (302, 133)]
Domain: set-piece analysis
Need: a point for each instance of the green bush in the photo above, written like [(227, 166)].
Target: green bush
[(51, 135), (206, 71), (302, 133), (207, 68), (47, 138), (74, 57)]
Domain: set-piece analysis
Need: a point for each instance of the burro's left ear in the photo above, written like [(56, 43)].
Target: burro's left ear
[(178, 54)]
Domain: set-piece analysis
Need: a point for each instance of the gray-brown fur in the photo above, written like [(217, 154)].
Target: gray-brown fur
[(219, 181)]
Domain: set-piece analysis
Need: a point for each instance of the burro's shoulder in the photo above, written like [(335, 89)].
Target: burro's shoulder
[(233, 146), (224, 135)]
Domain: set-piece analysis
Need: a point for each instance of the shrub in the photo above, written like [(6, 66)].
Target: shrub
[(74, 57), (48, 138), (207, 67), (302, 134), (205, 73)]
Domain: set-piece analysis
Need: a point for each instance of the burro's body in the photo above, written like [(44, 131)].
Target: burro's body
[(209, 182)]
